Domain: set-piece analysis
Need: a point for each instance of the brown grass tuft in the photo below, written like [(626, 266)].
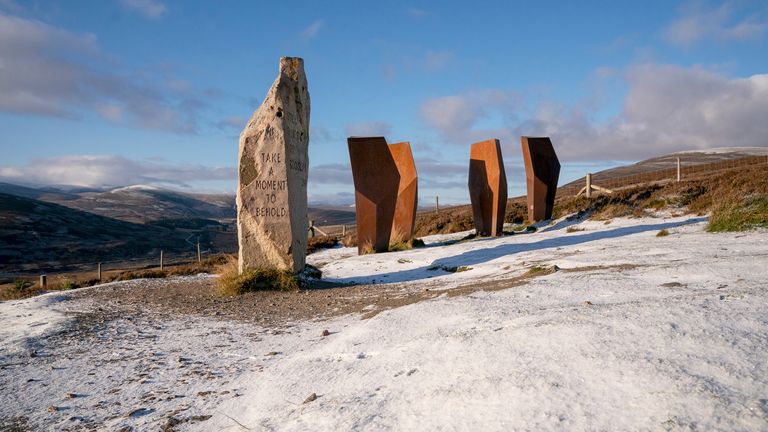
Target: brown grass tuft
[(231, 282)]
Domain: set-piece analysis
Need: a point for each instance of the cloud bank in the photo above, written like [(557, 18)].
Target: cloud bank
[(697, 24), (100, 171), (47, 71), (667, 108), (151, 9)]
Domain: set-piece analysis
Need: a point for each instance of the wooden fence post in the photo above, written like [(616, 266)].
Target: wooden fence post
[(98, 271), (43, 281), (161, 260), (199, 260), (589, 185), (437, 204), (678, 169), (343, 230)]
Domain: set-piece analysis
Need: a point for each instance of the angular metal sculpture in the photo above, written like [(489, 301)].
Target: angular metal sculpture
[(377, 181), (487, 187), (386, 192), (272, 175), (542, 170), (407, 193)]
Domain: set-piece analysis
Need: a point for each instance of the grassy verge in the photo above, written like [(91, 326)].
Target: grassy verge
[(232, 283), (739, 214)]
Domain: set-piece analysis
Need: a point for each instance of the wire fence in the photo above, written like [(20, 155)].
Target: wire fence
[(687, 172)]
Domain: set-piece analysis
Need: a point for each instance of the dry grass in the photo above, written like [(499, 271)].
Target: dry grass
[(231, 282), (325, 242), (739, 214), (662, 233), (74, 280), (737, 199), (398, 241)]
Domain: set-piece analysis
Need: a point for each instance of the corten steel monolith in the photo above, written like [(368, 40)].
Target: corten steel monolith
[(542, 170), (407, 193), (377, 181), (272, 175), (487, 187)]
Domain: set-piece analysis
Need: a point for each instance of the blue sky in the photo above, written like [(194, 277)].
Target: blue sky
[(116, 92)]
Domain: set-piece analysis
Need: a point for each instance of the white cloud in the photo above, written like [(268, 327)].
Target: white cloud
[(149, 8), (415, 12), (313, 29), (110, 171), (436, 60), (697, 24), (456, 116), (232, 122), (331, 173), (371, 128), (48, 71), (667, 108)]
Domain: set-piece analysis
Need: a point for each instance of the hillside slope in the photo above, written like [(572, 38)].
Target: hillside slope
[(44, 235)]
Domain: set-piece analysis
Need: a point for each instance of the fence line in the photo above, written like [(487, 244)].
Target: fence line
[(669, 174)]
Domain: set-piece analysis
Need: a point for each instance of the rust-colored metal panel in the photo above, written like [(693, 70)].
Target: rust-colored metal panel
[(487, 187), (407, 193), (542, 170), (376, 181)]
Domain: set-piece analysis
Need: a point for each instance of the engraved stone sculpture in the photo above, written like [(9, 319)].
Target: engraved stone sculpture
[(407, 193), (542, 170), (487, 187), (272, 175)]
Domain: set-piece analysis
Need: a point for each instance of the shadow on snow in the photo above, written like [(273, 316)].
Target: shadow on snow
[(483, 255)]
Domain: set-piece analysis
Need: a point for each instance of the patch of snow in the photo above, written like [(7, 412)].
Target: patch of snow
[(28, 319), (755, 151), (134, 188), (635, 332)]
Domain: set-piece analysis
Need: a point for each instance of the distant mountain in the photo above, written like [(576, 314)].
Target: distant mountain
[(147, 204), (44, 235)]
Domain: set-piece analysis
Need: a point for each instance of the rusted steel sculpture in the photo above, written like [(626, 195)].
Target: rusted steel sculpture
[(542, 170), (407, 193), (487, 187), (376, 179)]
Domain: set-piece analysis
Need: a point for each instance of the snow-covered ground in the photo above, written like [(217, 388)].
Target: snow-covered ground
[(634, 332)]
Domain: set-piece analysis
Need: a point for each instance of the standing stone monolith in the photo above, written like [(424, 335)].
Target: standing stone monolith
[(377, 181), (272, 175), (407, 193), (542, 170), (487, 187)]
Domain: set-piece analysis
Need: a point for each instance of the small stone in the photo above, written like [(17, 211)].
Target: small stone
[(53, 408), (325, 333), (587, 303), (70, 395), (310, 398)]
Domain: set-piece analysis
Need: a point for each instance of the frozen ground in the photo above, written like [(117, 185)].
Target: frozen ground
[(633, 332)]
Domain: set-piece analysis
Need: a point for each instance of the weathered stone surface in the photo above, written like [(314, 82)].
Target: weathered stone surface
[(377, 181), (542, 170), (272, 174), (487, 187), (407, 193)]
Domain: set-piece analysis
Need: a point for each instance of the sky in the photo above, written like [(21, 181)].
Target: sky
[(111, 93)]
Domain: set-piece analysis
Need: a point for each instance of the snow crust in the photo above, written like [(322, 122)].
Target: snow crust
[(25, 320), (634, 332)]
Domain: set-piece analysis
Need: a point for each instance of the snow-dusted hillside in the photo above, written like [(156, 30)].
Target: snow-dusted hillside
[(631, 332)]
